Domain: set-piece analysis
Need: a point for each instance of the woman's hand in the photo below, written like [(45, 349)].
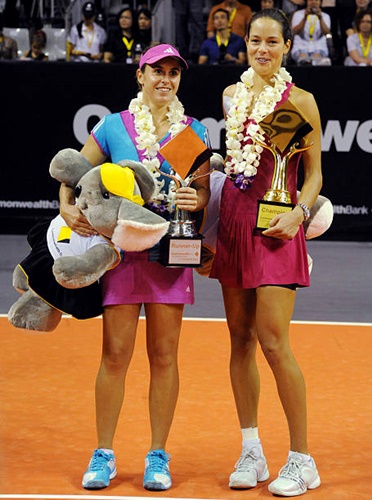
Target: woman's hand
[(286, 225), (77, 221), (186, 198)]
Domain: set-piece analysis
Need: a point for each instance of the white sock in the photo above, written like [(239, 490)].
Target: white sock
[(305, 457), (250, 433), (251, 439)]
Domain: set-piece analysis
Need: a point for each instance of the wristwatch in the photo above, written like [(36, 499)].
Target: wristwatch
[(306, 211)]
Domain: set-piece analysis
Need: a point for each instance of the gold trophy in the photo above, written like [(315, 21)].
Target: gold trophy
[(277, 199), (285, 128), (182, 245)]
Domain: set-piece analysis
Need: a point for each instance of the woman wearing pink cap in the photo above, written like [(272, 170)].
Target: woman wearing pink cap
[(152, 119)]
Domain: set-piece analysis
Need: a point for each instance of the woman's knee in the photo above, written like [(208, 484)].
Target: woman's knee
[(243, 338), (163, 356), (275, 350), (116, 360)]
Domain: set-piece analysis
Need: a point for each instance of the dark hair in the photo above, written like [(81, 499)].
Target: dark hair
[(39, 39), (124, 9), (41, 35), (79, 28), (146, 12), (134, 27), (221, 10), (359, 16), (276, 15)]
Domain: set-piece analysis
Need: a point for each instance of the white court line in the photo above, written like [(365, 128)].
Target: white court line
[(85, 497), (223, 320)]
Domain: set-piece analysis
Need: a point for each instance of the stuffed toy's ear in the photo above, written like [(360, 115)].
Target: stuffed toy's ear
[(69, 166), (321, 217), (138, 228), (143, 177), (217, 162)]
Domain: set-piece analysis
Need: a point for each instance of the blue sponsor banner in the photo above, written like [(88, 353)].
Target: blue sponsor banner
[(50, 106)]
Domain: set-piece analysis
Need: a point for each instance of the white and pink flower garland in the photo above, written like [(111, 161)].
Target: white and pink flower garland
[(147, 143), (241, 148)]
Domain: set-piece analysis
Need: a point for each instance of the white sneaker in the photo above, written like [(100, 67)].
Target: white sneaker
[(249, 469), (296, 477)]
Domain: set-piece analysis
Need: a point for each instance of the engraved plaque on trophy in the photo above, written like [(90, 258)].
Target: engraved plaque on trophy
[(285, 127), (182, 245)]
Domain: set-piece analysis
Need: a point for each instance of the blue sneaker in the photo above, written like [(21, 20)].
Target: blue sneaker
[(157, 476), (101, 468)]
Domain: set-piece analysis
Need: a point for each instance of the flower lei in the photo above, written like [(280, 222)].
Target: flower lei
[(243, 152), (148, 146)]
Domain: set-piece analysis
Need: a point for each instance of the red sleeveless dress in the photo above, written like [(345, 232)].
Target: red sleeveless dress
[(246, 259)]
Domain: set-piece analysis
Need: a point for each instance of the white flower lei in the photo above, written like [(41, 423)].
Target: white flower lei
[(147, 141), (243, 160)]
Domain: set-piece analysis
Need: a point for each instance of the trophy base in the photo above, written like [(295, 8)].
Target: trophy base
[(181, 251), (269, 209)]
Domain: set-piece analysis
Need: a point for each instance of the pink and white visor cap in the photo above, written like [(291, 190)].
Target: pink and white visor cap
[(159, 52)]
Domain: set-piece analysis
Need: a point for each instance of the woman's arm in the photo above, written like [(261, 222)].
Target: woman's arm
[(285, 226), (196, 196), (69, 211), (356, 57), (242, 58), (300, 26), (203, 60), (108, 57)]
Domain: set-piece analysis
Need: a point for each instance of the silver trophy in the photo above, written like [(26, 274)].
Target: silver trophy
[(181, 246)]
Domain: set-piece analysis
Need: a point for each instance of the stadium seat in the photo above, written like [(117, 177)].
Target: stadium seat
[(56, 43), (21, 36)]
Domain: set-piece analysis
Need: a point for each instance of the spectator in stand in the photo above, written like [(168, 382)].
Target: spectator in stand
[(8, 46), (290, 6), (36, 52), (123, 44), (267, 4), (240, 15), (359, 44), (144, 27), (189, 28), (224, 47), (359, 5), (310, 27), (86, 39)]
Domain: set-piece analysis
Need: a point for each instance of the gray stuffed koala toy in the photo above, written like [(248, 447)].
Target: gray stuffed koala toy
[(61, 273)]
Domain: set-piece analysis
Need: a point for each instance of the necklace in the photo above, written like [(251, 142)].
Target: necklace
[(128, 42), (89, 36), (220, 42), (243, 160), (312, 20), (147, 144), (365, 46)]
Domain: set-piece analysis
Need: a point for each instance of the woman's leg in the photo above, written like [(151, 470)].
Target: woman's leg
[(273, 315), (274, 312), (163, 331), (119, 333), (240, 308), (240, 314)]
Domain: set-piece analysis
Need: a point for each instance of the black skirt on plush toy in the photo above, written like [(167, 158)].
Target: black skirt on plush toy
[(81, 303)]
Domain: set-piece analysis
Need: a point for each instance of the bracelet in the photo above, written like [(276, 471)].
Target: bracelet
[(306, 211)]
